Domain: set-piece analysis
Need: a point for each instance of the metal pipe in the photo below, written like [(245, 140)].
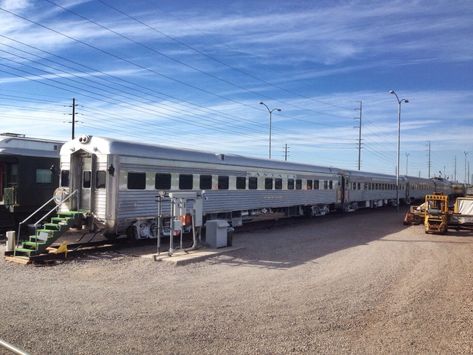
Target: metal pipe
[(194, 235), (159, 221), (12, 348), (171, 229)]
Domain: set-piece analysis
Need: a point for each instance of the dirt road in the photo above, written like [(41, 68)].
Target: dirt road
[(359, 283)]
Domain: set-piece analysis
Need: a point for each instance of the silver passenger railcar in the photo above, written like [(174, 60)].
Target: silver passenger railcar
[(117, 182)]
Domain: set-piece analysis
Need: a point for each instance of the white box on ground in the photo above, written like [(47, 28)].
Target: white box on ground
[(10, 241), (216, 233)]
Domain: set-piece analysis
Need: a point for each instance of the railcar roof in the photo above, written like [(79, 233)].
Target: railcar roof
[(112, 146), (32, 147), (105, 145)]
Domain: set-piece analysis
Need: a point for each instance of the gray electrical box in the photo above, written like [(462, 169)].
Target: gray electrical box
[(216, 234)]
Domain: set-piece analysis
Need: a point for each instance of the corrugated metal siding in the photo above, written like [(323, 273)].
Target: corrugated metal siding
[(100, 203), (142, 203)]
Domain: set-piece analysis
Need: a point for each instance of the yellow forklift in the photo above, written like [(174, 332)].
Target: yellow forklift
[(437, 215)]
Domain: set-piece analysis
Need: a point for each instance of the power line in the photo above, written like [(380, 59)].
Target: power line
[(182, 43)]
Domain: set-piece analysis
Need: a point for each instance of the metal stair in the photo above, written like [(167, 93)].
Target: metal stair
[(48, 234)]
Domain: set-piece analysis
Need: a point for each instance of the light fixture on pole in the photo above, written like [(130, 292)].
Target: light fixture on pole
[(270, 123), (399, 102)]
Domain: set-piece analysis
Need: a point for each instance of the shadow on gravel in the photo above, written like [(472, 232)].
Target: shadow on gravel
[(295, 242)]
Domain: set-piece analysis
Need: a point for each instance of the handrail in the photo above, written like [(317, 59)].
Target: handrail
[(56, 207), (39, 209)]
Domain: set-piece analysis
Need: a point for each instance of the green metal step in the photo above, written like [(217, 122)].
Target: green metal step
[(48, 234), (51, 226), (26, 251), (34, 239), (33, 244), (51, 233), (60, 219), (69, 214)]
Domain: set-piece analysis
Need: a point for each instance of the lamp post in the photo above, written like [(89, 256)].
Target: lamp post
[(407, 163), (466, 171), (270, 123), (399, 102)]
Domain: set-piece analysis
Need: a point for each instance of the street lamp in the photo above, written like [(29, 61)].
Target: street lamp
[(270, 123), (407, 164), (466, 171), (399, 102)]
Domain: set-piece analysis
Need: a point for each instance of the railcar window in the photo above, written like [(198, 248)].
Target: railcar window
[(100, 178), (44, 176), (241, 183), (268, 183), (330, 185), (64, 178), (365, 186), (252, 183), (309, 184), (290, 184), (186, 182), (316, 184), (325, 184), (205, 182), (162, 181), (298, 184), (223, 182), (86, 179), (359, 186), (278, 184), (136, 181)]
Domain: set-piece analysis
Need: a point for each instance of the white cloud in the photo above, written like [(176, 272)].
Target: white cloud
[(15, 5)]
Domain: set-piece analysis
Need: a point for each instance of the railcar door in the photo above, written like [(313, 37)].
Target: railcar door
[(84, 165)]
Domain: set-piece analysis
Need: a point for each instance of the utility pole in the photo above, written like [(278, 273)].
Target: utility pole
[(286, 150), (455, 170), (407, 163), (359, 134), (419, 173), (73, 121), (430, 163)]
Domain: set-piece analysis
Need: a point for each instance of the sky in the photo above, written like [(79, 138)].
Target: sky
[(192, 74)]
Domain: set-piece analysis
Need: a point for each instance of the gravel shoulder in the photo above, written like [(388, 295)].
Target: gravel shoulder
[(353, 283)]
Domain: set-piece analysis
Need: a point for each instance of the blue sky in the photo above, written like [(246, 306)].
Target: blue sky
[(192, 73)]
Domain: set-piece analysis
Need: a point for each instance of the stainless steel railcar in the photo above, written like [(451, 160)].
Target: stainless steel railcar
[(116, 182)]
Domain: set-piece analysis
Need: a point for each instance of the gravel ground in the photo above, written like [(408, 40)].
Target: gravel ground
[(357, 283)]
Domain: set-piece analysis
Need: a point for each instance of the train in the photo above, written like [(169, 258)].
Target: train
[(116, 184), (29, 174)]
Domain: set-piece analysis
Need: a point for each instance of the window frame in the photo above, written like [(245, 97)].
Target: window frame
[(184, 179), (205, 182), (163, 175), (223, 182), (136, 174)]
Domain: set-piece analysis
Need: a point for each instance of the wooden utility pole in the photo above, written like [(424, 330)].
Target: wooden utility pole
[(429, 163), (407, 164), (359, 135), (73, 121), (455, 170)]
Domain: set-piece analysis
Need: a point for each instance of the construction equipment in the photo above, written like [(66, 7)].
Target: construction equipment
[(437, 216)]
